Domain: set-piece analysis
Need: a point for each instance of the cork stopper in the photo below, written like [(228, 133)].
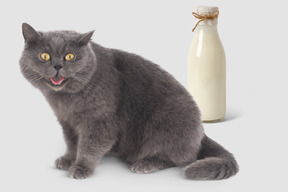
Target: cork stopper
[(206, 15), (205, 10)]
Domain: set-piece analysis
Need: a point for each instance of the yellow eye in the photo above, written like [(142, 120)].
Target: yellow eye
[(69, 57), (45, 56)]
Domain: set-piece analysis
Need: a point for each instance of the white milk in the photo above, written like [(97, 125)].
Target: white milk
[(207, 69)]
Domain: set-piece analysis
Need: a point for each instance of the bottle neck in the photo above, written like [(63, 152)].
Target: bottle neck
[(206, 33), (205, 22), (207, 28)]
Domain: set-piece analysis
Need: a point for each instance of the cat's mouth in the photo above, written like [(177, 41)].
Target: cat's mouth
[(57, 82)]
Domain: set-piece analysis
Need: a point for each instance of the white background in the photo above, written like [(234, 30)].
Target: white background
[(254, 35)]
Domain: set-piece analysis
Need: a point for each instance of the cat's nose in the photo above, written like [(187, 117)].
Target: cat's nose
[(57, 67)]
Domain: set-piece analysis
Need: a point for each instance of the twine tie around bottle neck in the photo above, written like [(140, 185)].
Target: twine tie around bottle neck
[(211, 16)]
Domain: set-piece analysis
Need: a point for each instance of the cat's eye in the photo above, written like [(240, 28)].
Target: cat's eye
[(69, 57), (45, 56)]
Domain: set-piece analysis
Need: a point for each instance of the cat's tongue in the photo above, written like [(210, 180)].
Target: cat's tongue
[(57, 82)]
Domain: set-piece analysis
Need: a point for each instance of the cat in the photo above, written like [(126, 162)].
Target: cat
[(112, 102)]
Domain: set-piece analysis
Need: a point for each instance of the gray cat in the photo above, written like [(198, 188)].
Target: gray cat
[(110, 101)]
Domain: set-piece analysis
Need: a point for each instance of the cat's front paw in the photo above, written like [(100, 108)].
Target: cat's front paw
[(63, 163), (79, 172), (143, 167)]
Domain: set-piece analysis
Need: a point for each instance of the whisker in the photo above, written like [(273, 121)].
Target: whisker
[(34, 78)]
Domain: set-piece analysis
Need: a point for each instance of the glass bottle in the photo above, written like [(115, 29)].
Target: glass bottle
[(207, 66)]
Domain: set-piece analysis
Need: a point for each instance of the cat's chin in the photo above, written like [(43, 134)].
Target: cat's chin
[(56, 85)]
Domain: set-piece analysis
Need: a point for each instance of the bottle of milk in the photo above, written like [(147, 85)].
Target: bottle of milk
[(207, 66)]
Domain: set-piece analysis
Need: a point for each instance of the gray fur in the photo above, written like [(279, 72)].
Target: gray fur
[(119, 103)]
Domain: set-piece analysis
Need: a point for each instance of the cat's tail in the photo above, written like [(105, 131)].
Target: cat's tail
[(214, 163)]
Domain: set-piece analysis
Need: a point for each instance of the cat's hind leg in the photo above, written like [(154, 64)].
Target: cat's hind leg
[(149, 165)]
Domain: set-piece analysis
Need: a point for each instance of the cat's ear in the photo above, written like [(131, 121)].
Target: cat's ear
[(30, 35), (85, 38)]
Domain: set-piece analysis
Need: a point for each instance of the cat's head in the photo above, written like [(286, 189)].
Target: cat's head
[(57, 61)]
